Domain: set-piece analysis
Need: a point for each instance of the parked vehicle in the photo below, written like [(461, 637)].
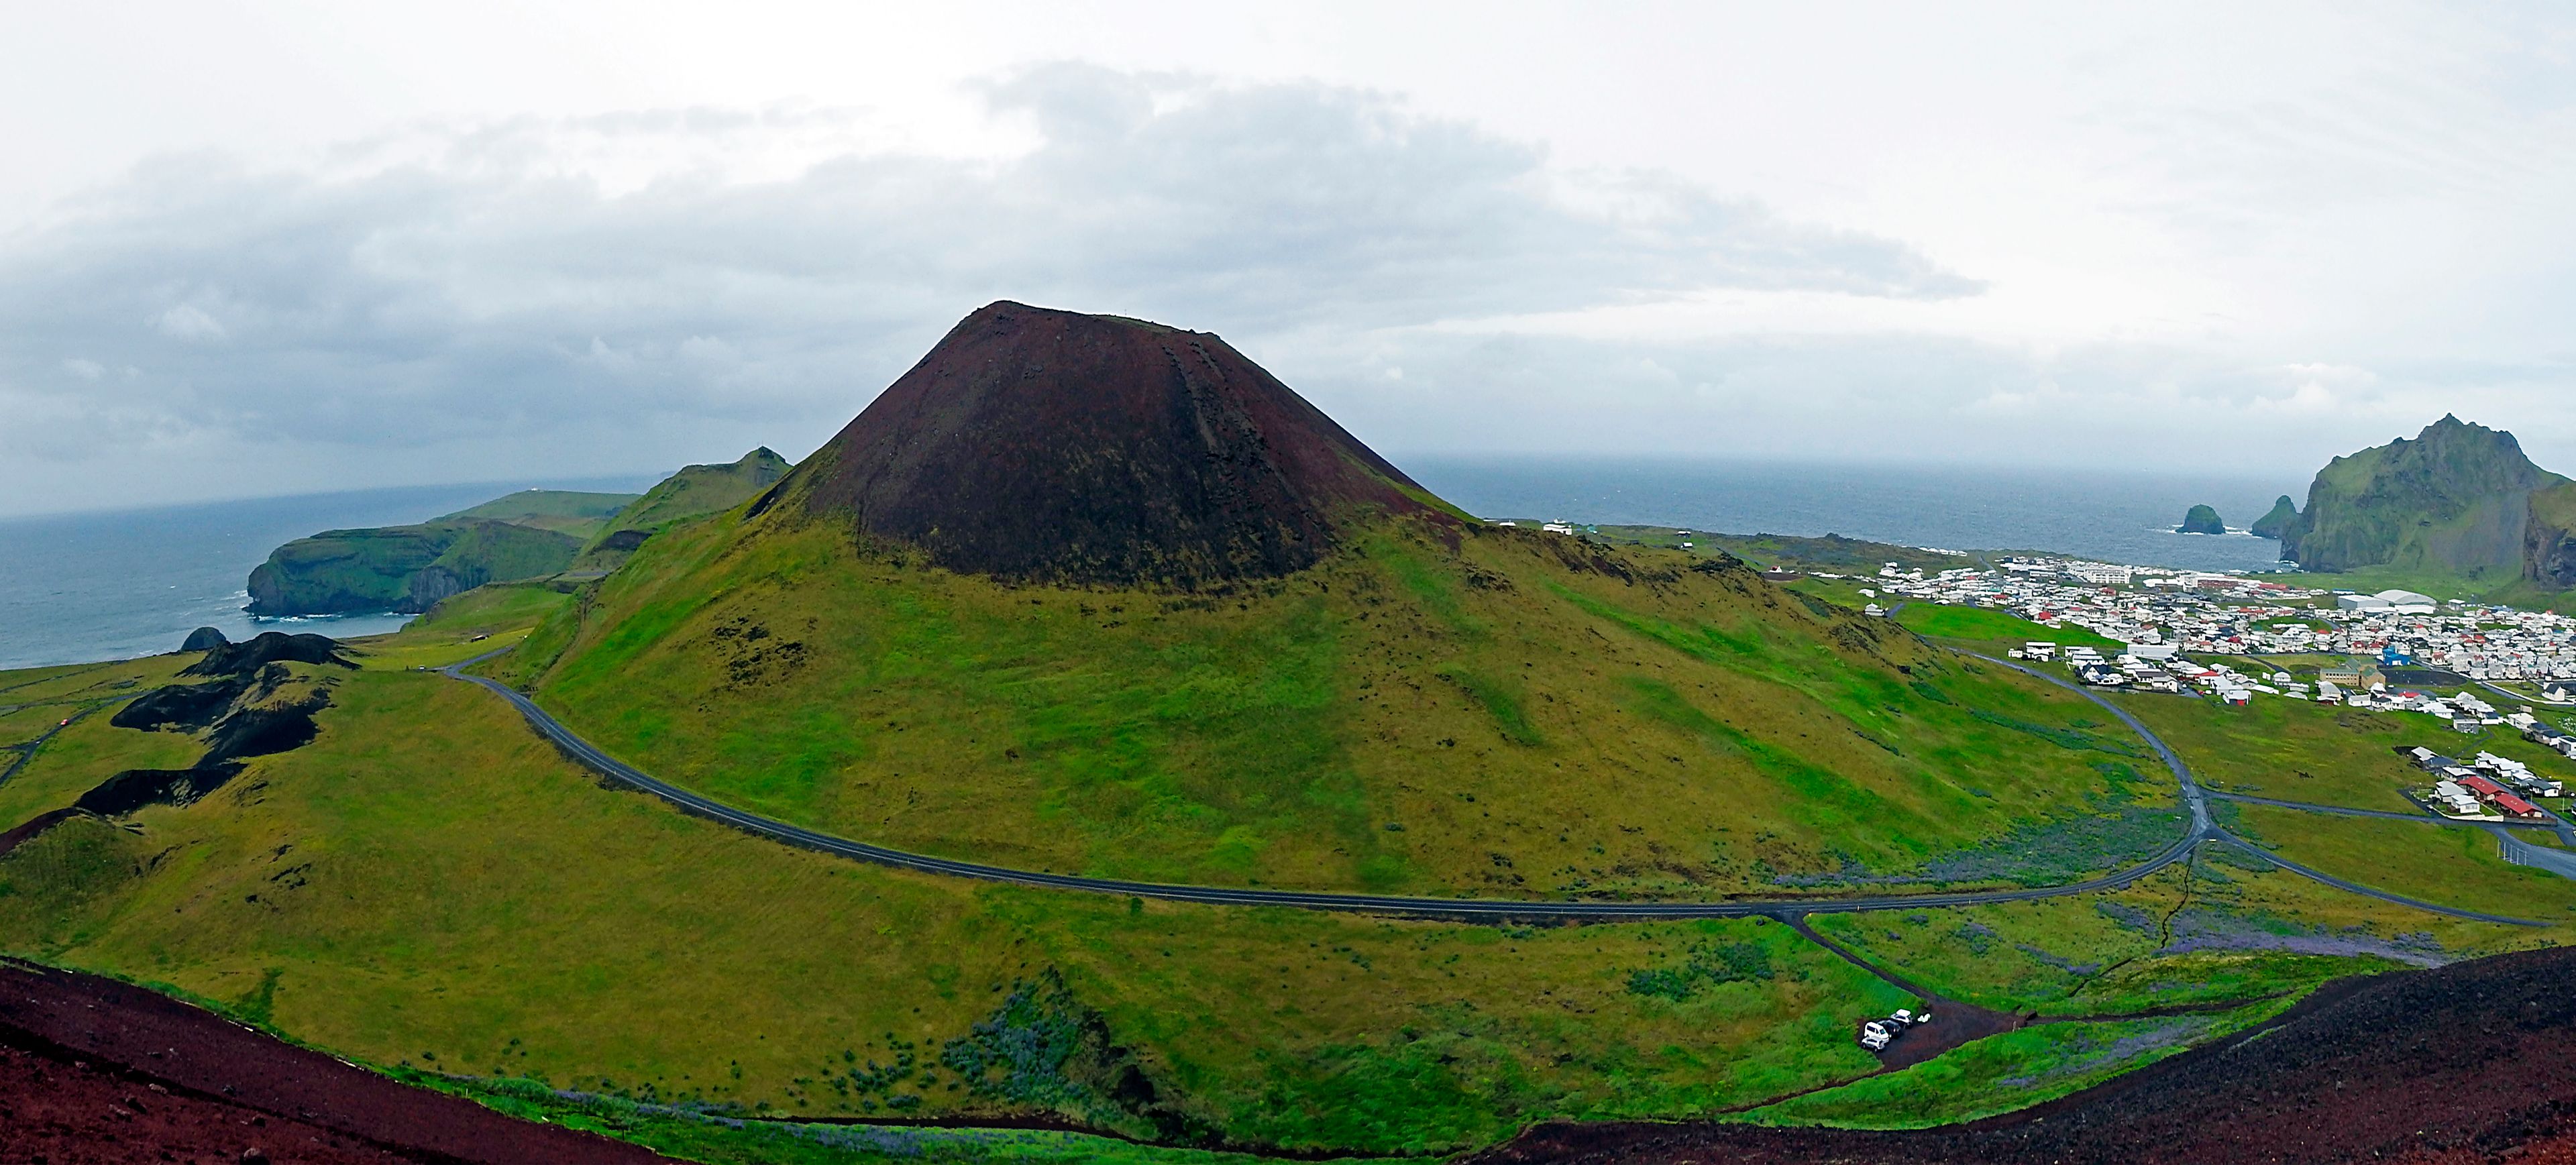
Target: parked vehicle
[(1877, 1034)]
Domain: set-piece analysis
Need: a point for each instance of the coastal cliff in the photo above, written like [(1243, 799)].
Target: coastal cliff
[(2455, 499), (2549, 538), (401, 568)]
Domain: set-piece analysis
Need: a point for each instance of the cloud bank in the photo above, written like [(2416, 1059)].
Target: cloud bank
[(553, 297), (597, 295)]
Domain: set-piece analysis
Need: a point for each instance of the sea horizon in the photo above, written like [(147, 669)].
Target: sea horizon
[(91, 585)]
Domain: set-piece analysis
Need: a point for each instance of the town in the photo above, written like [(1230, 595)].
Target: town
[(2387, 652), (2162, 614)]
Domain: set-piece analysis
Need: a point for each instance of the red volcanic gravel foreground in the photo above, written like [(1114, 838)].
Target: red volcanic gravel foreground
[(2471, 1062), (92, 1070)]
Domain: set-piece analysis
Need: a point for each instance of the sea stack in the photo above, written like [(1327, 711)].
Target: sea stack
[(2283, 512), (2201, 520), (1088, 450), (203, 639)]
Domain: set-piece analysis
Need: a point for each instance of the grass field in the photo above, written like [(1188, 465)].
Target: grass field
[(2443, 864), (724, 1140), (481, 620), (430, 888), (1521, 715), (428, 884), (1992, 632), (89, 751), (2325, 754), (2007, 1072)]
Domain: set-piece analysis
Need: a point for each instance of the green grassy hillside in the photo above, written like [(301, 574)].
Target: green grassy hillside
[(694, 492), (581, 515), (429, 885), (1515, 714), (402, 568), (2453, 501), (408, 568), (1832, 552), (1993, 632)]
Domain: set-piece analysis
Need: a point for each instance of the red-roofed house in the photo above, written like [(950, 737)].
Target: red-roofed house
[(2515, 806)]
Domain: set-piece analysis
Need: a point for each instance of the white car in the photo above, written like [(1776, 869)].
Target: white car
[(1878, 1033)]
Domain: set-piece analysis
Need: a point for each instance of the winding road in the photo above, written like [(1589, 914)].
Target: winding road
[(2203, 829), (27, 751)]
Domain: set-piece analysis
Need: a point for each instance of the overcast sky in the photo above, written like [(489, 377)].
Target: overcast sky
[(281, 248)]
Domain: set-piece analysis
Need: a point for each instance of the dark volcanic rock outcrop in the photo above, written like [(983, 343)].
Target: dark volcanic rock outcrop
[(247, 713), (1050, 446), (203, 639), (2201, 520), (181, 707), (135, 789), (234, 659)]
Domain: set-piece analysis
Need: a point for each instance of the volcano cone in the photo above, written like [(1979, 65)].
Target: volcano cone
[(1051, 446)]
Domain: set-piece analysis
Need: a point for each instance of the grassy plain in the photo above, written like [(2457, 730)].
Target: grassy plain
[(2008, 1072), (2448, 865), (2325, 754), (428, 884), (1520, 714), (718, 1140), (2096, 954), (485, 619), (563, 511), (90, 751), (429, 887), (1993, 632)]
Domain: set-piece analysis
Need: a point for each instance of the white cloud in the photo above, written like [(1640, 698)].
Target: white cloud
[(493, 284), (2203, 235), (190, 322)]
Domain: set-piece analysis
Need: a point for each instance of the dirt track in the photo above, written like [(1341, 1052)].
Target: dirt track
[(80, 1056), (2471, 1062)]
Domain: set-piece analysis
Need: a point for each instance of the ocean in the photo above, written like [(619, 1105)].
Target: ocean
[(118, 584), (80, 587), (2115, 516)]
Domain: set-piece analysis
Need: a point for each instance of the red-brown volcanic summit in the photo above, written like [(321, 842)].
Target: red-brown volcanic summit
[(1051, 446)]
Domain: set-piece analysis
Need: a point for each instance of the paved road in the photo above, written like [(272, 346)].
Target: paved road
[(2520, 697), (2522, 853), (27, 751), (1485, 909)]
